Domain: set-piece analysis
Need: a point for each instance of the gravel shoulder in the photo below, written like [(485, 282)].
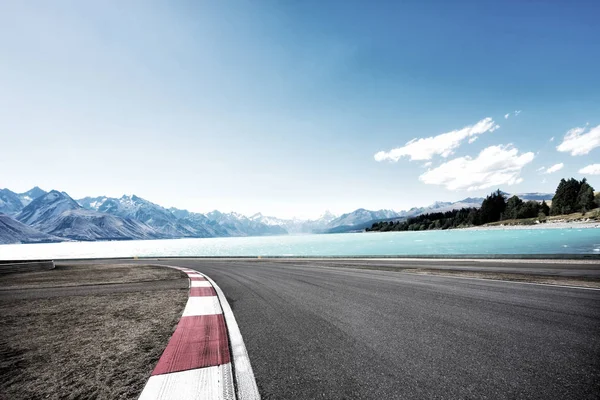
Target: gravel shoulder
[(90, 274), (62, 338)]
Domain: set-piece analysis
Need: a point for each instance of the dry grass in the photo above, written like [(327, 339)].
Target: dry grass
[(84, 347), (589, 216), (90, 274)]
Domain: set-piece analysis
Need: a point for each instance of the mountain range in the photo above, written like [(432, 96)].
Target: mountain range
[(37, 216)]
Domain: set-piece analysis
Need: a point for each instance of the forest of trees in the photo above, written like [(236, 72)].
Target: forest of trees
[(570, 196)]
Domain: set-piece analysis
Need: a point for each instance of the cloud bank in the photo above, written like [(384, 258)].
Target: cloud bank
[(554, 168), (493, 167), (579, 142), (443, 144), (592, 169)]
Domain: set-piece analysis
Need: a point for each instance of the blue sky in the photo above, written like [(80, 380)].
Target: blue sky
[(281, 107)]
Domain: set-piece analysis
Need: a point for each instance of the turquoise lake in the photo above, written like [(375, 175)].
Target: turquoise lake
[(438, 243)]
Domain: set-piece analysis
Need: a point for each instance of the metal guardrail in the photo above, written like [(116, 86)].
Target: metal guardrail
[(11, 267)]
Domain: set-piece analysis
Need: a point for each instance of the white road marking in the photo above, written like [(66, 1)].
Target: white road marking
[(202, 305), (195, 384), (504, 281), (244, 377), (200, 284)]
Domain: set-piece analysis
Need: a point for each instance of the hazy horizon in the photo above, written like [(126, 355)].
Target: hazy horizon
[(266, 214), (291, 109)]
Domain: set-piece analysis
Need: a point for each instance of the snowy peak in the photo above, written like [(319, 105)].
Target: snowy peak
[(57, 214), (236, 224), (327, 216), (47, 206), (153, 215), (10, 203), (82, 224), (31, 195), (271, 221), (360, 216), (136, 207), (92, 203)]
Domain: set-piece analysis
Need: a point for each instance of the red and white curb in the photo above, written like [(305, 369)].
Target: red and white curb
[(197, 362)]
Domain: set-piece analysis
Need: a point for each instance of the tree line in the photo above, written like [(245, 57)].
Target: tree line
[(570, 196)]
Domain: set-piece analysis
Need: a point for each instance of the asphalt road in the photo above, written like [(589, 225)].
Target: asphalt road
[(316, 331)]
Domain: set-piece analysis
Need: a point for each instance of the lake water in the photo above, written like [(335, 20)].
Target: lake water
[(452, 242)]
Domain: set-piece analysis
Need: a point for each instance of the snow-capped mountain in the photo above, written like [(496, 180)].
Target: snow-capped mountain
[(361, 216), (296, 225), (82, 224), (92, 203), (13, 231), (141, 210), (50, 216), (240, 225), (45, 208), (176, 223), (200, 223), (271, 221), (10, 203), (31, 195), (443, 206), (55, 213), (534, 196)]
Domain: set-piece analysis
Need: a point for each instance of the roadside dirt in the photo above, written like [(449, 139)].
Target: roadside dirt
[(86, 346), (90, 274)]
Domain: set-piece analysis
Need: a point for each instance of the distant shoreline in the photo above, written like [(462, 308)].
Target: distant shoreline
[(541, 225)]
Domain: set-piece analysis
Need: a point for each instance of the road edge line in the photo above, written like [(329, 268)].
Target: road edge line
[(505, 281), (161, 386), (246, 387)]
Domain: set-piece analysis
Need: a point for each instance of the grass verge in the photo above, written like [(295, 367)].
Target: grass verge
[(89, 274), (590, 216), (85, 347)]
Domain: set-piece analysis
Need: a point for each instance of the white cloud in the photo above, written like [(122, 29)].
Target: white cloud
[(515, 113), (552, 139), (494, 166), (554, 168), (540, 169), (427, 164), (592, 169), (578, 143), (472, 139), (443, 144)]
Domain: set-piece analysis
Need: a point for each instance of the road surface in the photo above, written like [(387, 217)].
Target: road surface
[(317, 331)]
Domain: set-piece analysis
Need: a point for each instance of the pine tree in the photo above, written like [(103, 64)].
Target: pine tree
[(512, 208), (529, 209), (565, 198), (492, 207), (585, 197), (544, 208)]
